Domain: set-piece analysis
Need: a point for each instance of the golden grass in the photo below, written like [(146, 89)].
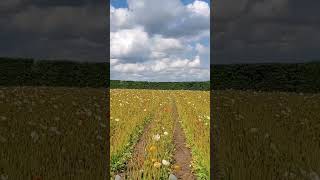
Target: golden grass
[(268, 135), (156, 160), (194, 112), (52, 133)]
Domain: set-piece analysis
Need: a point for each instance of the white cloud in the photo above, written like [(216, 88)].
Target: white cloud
[(129, 44), (120, 18), (151, 39), (129, 68), (199, 8), (167, 17), (113, 61), (166, 44), (201, 49)]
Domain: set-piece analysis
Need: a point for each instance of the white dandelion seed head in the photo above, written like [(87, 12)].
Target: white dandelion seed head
[(165, 162), (156, 137)]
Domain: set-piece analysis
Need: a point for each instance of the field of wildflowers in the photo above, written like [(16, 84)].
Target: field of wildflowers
[(53, 133), (194, 110), (145, 149), (274, 135)]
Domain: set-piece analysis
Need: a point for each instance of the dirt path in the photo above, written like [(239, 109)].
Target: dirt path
[(136, 161), (182, 154)]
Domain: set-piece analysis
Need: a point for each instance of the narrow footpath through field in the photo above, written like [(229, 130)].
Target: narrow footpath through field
[(182, 154), (139, 151)]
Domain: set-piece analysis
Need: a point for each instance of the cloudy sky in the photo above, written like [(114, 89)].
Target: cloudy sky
[(259, 31), (54, 29), (167, 40)]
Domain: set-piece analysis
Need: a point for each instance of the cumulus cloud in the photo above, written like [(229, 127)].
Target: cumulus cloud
[(45, 29), (261, 31), (201, 49), (168, 17), (151, 39), (175, 69), (131, 44)]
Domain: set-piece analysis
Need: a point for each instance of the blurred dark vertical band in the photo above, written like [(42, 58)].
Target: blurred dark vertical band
[(108, 89), (214, 120)]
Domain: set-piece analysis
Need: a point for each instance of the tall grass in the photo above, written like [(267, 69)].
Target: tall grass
[(131, 107), (194, 112), (268, 135), (53, 133)]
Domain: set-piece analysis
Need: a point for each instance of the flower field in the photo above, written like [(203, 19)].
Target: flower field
[(53, 133), (144, 126), (267, 135)]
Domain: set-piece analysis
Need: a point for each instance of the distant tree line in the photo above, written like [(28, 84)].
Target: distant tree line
[(29, 72), (160, 85), (304, 77), (266, 77)]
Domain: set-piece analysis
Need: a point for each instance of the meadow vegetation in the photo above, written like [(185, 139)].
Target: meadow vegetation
[(151, 157), (267, 135), (53, 133)]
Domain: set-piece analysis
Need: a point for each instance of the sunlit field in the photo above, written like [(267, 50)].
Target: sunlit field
[(53, 133), (267, 135), (144, 132)]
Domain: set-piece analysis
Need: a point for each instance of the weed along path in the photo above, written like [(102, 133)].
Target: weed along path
[(182, 154), (135, 164)]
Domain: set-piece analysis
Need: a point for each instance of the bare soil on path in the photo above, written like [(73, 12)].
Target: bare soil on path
[(136, 161), (182, 154)]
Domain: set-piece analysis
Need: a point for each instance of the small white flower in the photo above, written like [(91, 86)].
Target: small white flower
[(145, 110), (165, 162), (254, 130), (4, 177), (34, 135), (165, 133), (156, 137), (55, 130), (117, 177), (314, 176), (117, 119)]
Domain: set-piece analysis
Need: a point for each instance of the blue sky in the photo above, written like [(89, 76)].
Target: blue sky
[(154, 40), (124, 4)]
